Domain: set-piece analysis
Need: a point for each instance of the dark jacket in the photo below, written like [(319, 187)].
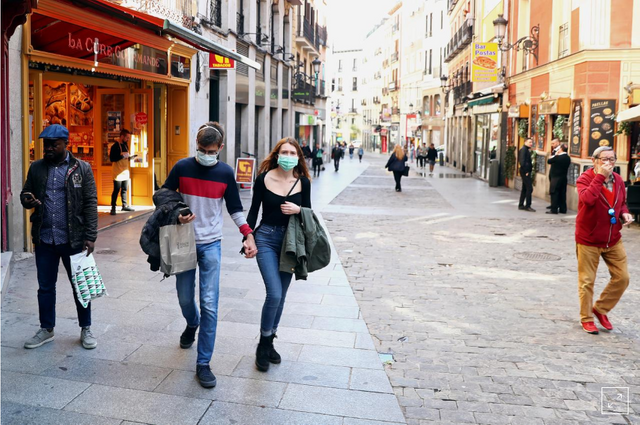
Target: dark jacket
[(168, 204), (82, 200), (306, 151), (524, 157), (395, 164), (314, 155), (558, 172), (432, 154), (115, 154), (305, 248), (593, 223), (337, 153)]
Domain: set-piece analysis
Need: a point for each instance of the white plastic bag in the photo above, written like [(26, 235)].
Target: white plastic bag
[(178, 248), (86, 279)]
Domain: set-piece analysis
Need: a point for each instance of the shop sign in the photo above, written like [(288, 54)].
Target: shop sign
[(576, 129), (514, 111), (383, 132), (306, 119), (94, 47), (386, 114), (180, 66), (548, 107), (484, 65), (221, 62), (601, 123), (244, 170), (141, 118)]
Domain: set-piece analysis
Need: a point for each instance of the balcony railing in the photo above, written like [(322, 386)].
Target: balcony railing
[(307, 31), (303, 90), (459, 41), (321, 35), (240, 23), (176, 11), (394, 57), (460, 92), (215, 12)]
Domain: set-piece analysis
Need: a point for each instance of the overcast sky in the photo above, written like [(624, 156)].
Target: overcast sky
[(349, 21)]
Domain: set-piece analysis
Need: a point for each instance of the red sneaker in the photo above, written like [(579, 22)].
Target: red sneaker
[(590, 328), (604, 320)]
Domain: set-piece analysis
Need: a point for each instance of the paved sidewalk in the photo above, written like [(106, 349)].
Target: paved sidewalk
[(330, 373), (477, 303)]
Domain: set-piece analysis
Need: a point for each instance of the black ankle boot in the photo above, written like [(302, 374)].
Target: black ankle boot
[(113, 210), (262, 353), (274, 357)]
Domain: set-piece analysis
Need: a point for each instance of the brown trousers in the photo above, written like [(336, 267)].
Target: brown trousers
[(588, 258)]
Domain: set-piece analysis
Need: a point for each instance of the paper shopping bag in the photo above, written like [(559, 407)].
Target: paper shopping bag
[(86, 278), (177, 248)]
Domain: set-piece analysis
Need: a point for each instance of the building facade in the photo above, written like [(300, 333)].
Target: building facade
[(347, 80)]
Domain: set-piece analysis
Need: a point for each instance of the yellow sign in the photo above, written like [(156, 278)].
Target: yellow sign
[(484, 66), (244, 170)]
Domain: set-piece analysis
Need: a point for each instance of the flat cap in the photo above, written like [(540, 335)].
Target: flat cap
[(55, 131)]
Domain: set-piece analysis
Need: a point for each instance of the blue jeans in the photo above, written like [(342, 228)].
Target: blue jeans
[(269, 242), (47, 262), (209, 266)]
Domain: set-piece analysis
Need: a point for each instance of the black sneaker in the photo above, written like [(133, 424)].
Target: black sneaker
[(188, 336), (206, 378)]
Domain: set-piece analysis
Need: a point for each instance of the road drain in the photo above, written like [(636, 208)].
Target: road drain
[(537, 256)]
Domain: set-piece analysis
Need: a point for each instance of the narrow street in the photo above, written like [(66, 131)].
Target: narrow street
[(477, 302), (472, 302)]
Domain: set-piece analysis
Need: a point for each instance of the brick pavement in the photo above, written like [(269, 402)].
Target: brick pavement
[(479, 333), (330, 373)]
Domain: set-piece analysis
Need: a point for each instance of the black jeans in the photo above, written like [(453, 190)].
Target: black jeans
[(317, 167), (122, 187), (527, 190), (47, 262), (360, 156), (336, 163), (397, 175), (559, 198)]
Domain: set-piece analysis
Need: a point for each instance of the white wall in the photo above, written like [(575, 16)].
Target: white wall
[(16, 237)]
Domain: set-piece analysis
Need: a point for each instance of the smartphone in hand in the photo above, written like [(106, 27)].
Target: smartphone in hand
[(185, 212)]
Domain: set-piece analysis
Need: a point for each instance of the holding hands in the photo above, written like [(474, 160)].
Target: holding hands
[(289, 208), (250, 249)]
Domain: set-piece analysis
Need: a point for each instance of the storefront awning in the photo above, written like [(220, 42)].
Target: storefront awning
[(168, 27), (481, 101), (631, 114), (203, 43)]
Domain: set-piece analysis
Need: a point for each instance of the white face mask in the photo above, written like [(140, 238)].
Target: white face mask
[(206, 160)]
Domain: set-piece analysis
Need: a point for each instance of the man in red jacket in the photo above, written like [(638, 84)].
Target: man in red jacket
[(602, 211)]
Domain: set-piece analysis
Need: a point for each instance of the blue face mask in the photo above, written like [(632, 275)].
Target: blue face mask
[(287, 162), (206, 160)]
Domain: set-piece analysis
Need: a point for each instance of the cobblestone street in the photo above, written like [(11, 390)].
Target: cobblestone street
[(477, 302)]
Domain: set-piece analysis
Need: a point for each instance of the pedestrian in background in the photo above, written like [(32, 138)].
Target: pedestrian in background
[(120, 157), (560, 163), (317, 155), (336, 155), (432, 155), (204, 182), (602, 211), (306, 151), (351, 149), (397, 163), (422, 155), (360, 153), (63, 192), (526, 167), (413, 152), (282, 188)]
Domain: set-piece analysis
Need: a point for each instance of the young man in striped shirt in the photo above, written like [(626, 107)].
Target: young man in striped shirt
[(204, 183)]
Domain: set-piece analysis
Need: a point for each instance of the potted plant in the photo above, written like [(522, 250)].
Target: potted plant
[(558, 128), (540, 126), (523, 128), (534, 157), (509, 164)]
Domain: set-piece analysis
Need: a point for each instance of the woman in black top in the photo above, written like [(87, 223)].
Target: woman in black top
[(282, 187)]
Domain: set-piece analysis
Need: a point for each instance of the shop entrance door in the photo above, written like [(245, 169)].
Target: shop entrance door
[(118, 109)]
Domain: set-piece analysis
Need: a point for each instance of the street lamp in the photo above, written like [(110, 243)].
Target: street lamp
[(528, 43), (443, 84), (316, 68)]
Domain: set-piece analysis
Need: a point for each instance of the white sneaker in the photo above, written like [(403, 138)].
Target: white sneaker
[(88, 340), (41, 337)]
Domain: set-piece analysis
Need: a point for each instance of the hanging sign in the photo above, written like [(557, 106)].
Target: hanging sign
[(484, 65), (141, 118), (221, 62), (576, 129)]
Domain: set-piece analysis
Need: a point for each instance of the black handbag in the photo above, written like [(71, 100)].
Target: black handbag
[(405, 172)]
